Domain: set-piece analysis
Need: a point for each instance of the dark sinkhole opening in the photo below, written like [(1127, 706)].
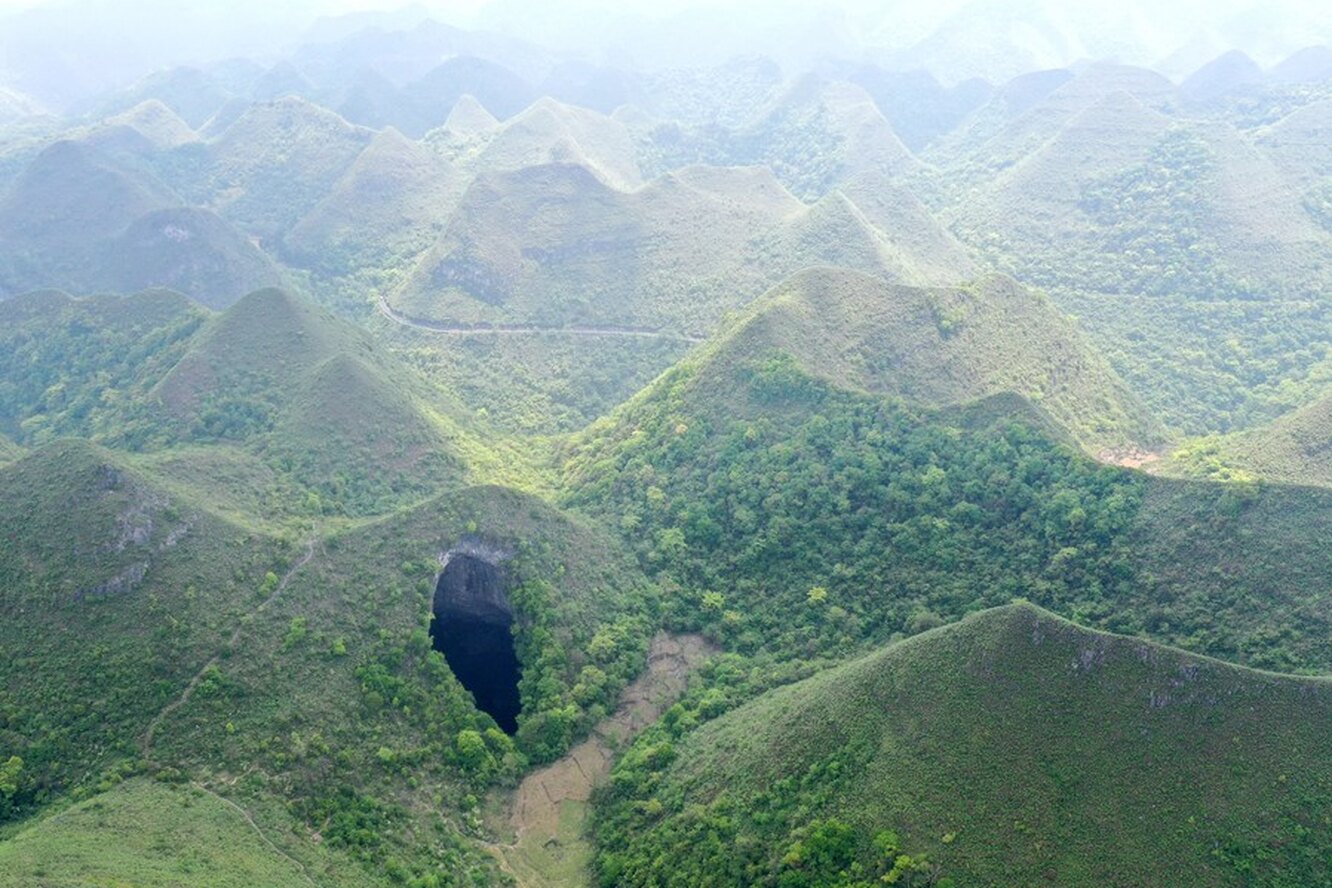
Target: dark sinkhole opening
[(473, 628)]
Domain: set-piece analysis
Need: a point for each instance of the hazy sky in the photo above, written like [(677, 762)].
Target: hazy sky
[(89, 46)]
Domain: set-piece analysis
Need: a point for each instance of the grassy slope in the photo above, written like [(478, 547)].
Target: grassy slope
[(675, 254), (145, 834), (1015, 748), (938, 347), (1295, 449), (322, 403), (389, 205), (114, 593)]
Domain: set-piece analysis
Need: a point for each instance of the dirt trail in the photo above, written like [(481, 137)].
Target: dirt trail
[(511, 329), (150, 734), (543, 820)]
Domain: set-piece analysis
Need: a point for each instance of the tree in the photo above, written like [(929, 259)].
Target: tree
[(11, 778)]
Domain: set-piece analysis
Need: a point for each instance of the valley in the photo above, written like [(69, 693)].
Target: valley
[(694, 447)]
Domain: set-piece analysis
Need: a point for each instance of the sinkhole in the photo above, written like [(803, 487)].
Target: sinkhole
[(473, 628)]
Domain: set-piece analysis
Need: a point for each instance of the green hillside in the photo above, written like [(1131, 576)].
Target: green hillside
[(1210, 365), (591, 446), (191, 251), (937, 347), (85, 367), (319, 401), (674, 255), (277, 161), (745, 478), (390, 204), (1294, 449), (1010, 748), (275, 407), (115, 594), (147, 834)]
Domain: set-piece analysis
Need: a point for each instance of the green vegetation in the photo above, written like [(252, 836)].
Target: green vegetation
[(1211, 366), (745, 482), (120, 592), (731, 361), (85, 367), (1295, 449), (1012, 747), (147, 834)]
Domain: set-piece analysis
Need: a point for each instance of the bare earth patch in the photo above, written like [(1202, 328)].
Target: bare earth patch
[(543, 821), (1129, 458)]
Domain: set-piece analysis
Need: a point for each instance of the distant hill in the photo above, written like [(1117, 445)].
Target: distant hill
[(90, 216), (1309, 65), (277, 161), (65, 203), (1011, 745), (589, 253), (820, 134), (189, 92), (426, 102), (1294, 449), (317, 400), (157, 123), (191, 251), (1225, 74), (390, 204), (674, 254), (1031, 110), (919, 108), (939, 347), (551, 132), (1121, 200)]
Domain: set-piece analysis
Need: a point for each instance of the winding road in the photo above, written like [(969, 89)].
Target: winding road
[(430, 326)]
